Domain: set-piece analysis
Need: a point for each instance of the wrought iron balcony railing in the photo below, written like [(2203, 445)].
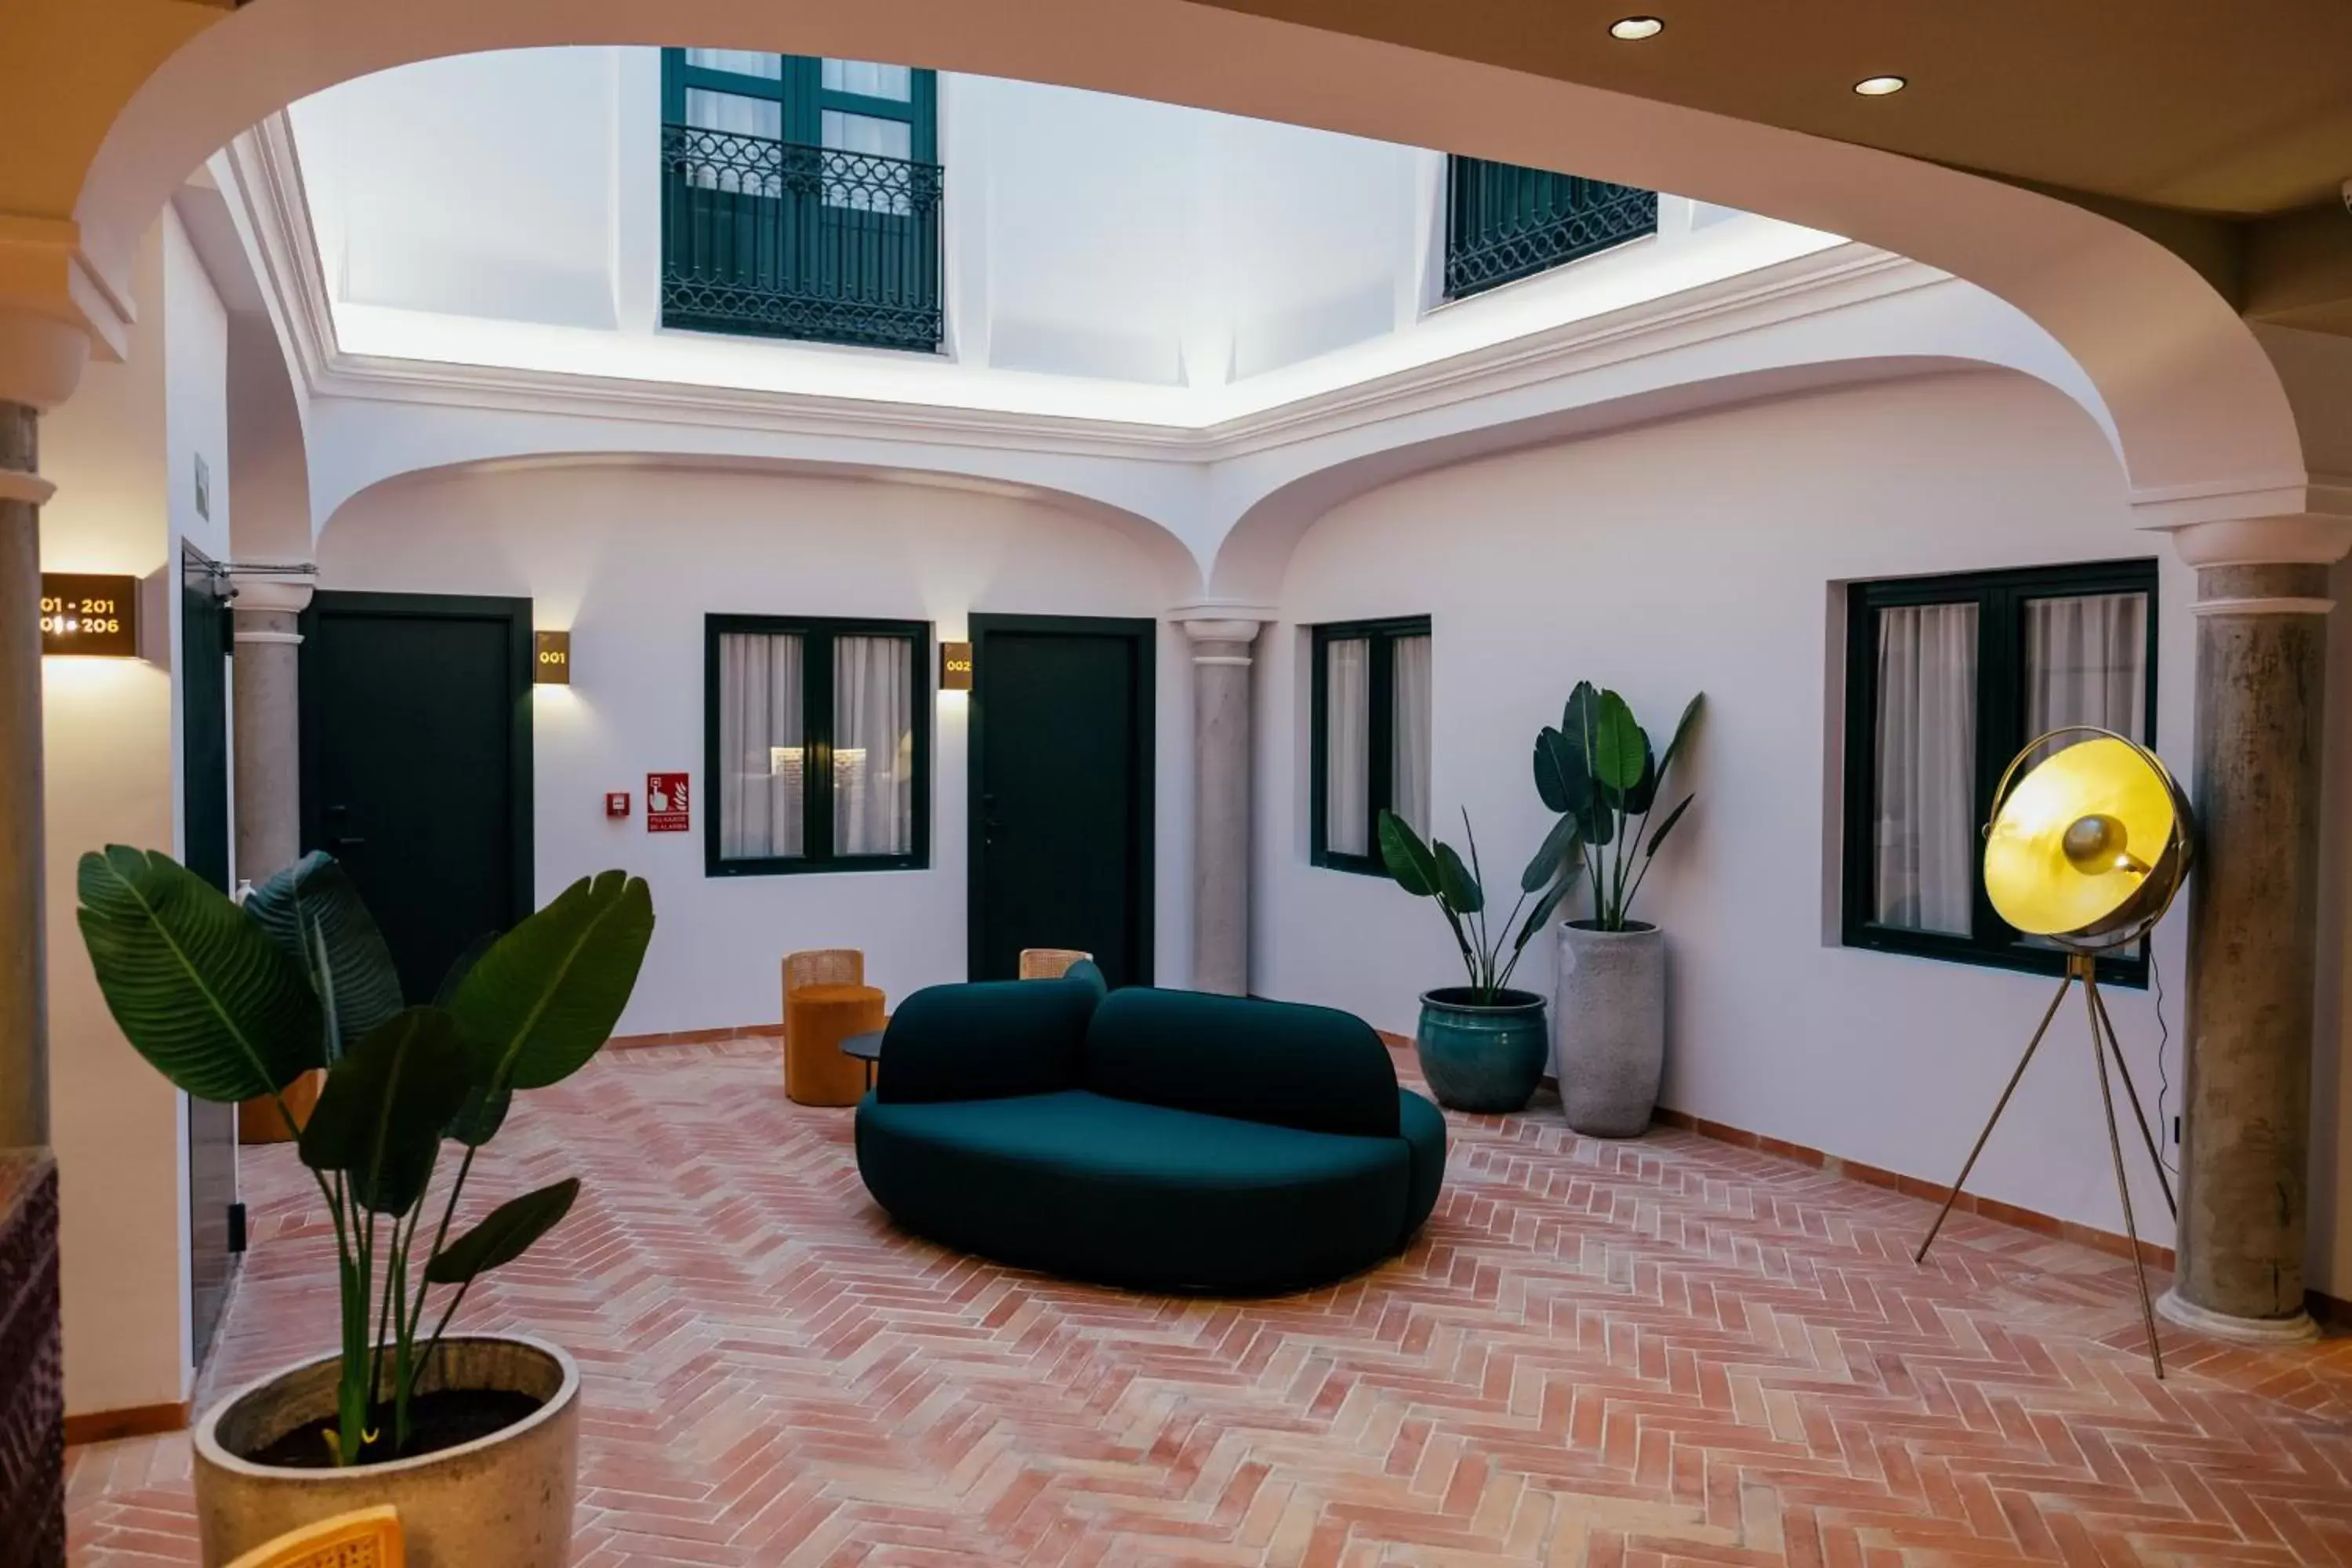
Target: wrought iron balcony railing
[(1505, 223), (782, 239)]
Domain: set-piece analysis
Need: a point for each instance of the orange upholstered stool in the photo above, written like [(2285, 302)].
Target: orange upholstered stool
[(818, 1018)]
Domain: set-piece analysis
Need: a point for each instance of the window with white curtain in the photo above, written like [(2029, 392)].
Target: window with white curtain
[(1948, 678), (817, 744), (1370, 719)]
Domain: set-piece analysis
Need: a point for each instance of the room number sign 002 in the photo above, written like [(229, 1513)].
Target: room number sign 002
[(86, 613)]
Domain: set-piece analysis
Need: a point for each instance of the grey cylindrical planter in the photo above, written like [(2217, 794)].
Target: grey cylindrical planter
[(505, 1498), (1610, 1027)]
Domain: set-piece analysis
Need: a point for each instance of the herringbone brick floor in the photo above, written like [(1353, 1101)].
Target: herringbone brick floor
[(1661, 1352)]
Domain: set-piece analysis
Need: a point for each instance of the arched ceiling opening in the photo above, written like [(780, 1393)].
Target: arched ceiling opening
[(2200, 420)]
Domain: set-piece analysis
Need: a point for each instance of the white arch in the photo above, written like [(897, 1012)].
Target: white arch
[(358, 444), (2198, 418), (1166, 551), (1884, 319)]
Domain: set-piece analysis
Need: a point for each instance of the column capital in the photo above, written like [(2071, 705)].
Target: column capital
[(2283, 539), (55, 306), (270, 594), (1221, 629)]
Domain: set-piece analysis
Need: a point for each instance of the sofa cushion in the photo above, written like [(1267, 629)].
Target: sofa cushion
[(980, 1041), (1139, 1194), (1281, 1063)]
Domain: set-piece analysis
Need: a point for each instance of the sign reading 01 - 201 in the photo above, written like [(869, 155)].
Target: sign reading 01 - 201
[(88, 613)]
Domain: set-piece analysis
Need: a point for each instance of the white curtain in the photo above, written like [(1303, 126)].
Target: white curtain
[(873, 746), (1347, 746), (733, 113), (1409, 746), (1927, 766), (759, 747), (868, 78), (2086, 663)]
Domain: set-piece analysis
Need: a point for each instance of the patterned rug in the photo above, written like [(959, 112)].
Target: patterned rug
[(1667, 1350)]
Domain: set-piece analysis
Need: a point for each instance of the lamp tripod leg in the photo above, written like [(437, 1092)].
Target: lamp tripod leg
[(2123, 1184), (2131, 1091), (1982, 1138)]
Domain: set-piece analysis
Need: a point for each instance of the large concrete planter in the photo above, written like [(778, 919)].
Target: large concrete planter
[(503, 1500), (1484, 1056), (1610, 1027)]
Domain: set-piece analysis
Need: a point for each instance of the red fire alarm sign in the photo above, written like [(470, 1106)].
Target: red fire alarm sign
[(666, 803), (616, 803)]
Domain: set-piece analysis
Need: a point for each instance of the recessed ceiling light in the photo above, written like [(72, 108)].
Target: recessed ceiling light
[(1880, 86), (1634, 27)]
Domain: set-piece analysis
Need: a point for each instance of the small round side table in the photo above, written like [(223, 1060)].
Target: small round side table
[(867, 1049)]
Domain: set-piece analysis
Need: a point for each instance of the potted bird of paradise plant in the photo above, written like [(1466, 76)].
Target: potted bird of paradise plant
[(1601, 772), (474, 1438), (1482, 1046)]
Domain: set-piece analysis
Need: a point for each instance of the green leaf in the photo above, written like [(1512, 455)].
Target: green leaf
[(1562, 780), (1668, 825), (1408, 860), (448, 993), (1682, 732), (546, 995), (481, 1113), (1559, 849), (1638, 800), (200, 992), (505, 1233), (1455, 884), (312, 904), (485, 1111), (1619, 747), (1581, 717), (1540, 915), (380, 1117)]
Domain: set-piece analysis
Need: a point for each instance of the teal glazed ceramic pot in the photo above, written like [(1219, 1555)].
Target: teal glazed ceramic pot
[(1482, 1056)]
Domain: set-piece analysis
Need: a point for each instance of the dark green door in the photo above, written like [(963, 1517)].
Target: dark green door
[(203, 805), (416, 765), (1060, 793)]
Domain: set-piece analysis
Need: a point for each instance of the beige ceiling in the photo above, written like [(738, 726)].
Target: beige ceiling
[(2233, 108), (2222, 128)]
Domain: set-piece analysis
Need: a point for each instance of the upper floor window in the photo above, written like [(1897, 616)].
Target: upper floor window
[(816, 740), (1948, 678), (1370, 736), (1504, 223), (801, 198)]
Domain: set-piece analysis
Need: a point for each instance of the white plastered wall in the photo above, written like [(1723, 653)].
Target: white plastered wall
[(124, 453), (630, 558), (1706, 553)]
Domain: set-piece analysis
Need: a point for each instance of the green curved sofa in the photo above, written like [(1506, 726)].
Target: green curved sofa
[(1159, 1140)]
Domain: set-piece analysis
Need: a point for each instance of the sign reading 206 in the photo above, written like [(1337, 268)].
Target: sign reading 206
[(86, 613)]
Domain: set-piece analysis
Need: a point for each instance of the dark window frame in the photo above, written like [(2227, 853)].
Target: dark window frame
[(779, 264), (1379, 785), (800, 89), (1491, 239), (817, 634), (1999, 596)]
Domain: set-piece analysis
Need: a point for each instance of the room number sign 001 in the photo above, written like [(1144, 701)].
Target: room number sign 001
[(86, 613)]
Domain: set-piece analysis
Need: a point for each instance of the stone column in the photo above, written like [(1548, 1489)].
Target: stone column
[(268, 722), (1220, 802), (2262, 611), (24, 975)]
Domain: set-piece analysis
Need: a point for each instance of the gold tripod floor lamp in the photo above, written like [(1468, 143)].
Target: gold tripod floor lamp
[(2088, 847)]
